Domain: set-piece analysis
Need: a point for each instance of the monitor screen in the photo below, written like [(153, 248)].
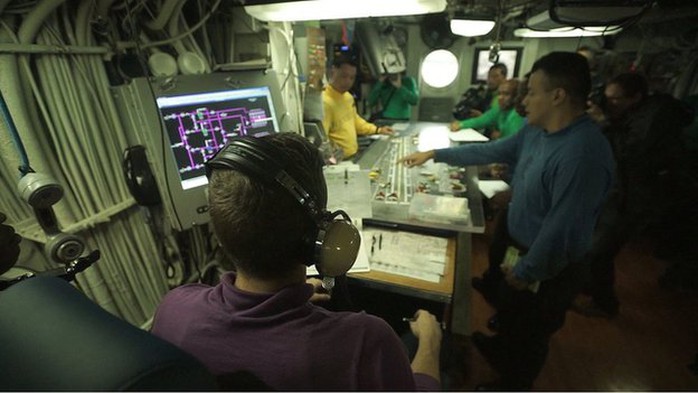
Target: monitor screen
[(511, 57), (199, 124), (182, 121)]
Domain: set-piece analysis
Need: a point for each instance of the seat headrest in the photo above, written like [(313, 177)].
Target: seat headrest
[(54, 338)]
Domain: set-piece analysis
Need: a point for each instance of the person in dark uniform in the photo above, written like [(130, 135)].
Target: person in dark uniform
[(653, 188)]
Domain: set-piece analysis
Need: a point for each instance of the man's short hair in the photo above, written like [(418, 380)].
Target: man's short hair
[(263, 230), (631, 83), (501, 67), (341, 60), (568, 71)]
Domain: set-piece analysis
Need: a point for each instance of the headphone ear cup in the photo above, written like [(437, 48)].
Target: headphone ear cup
[(339, 248)]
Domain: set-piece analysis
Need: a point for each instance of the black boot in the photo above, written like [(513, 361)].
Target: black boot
[(490, 347)]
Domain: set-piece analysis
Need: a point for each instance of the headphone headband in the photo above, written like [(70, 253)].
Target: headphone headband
[(334, 243), (249, 154)]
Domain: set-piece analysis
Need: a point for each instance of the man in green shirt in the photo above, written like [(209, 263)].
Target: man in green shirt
[(502, 117), (397, 94)]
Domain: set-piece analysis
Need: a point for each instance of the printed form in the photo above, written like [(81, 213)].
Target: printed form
[(406, 254)]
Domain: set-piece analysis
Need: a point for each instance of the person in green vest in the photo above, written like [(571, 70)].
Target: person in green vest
[(496, 75), (502, 117), (396, 93)]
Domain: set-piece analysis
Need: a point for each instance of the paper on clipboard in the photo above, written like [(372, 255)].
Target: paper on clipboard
[(467, 135), (407, 254)]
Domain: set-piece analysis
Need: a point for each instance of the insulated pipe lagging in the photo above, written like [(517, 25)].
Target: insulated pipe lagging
[(103, 7), (173, 30), (35, 19), (165, 15), (82, 21), (3, 4), (16, 140)]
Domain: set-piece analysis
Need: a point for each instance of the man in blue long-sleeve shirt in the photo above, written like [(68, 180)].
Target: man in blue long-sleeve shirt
[(564, 169)]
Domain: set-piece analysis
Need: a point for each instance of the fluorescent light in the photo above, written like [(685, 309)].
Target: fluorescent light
[(342, 9), (568, 32), (471, 27)]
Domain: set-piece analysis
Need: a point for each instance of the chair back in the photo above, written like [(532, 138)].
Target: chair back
[(53, 337)]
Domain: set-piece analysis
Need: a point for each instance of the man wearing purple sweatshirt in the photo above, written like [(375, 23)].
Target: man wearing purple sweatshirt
[(259, 319)]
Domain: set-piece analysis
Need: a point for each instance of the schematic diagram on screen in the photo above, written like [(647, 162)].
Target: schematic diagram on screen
[(197, 128)]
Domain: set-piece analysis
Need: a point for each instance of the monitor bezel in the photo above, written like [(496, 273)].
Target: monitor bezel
[(141, 117), (199, 98), (483, 54)]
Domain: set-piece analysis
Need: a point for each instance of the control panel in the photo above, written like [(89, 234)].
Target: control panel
[(434, 192)]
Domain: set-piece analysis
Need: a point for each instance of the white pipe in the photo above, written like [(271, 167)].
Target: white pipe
[(112, 119), (72, 81), (193, 46), (103, 116), (57, 117), (103, 7), (68, 29), (71, 100), (146, 248), (60, 99), (126, 245), (32, 23), (109, 130), (10, 204), (208, 49), (3, 4), (25, 118), (165, 15), (27, 33), (75, 79), (173, 28), (61, 102), (128, 45), (82, 21), (67, 99), (115, 293), (53, 49)]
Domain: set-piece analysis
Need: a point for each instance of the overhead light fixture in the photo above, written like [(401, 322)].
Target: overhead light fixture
[(565, 13), (294, 11), (590, 31), (471, 27)]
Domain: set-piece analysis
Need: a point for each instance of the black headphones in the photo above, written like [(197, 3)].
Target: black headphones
[(336, 243)]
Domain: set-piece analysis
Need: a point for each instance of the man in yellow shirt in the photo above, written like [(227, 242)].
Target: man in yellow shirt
[(341, 120)]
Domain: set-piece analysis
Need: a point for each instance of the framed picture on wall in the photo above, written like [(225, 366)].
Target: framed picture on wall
[(511, 57)]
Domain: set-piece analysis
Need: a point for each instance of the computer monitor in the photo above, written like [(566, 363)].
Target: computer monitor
[(199, 124), (183, 121), (511, 57)]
